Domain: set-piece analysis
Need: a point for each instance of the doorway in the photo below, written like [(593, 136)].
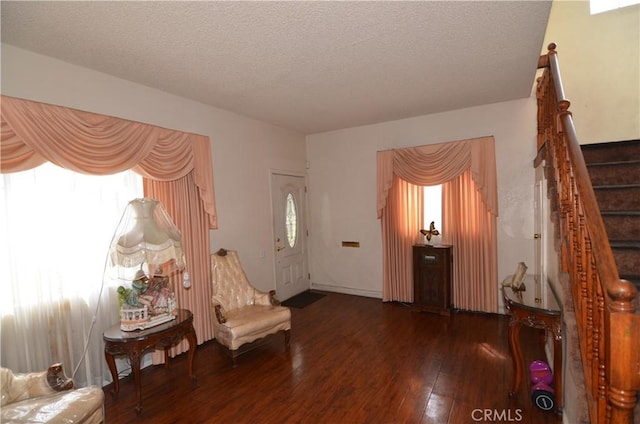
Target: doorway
[(290, 232)]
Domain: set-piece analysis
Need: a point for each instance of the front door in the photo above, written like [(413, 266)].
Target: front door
[(289, 229)]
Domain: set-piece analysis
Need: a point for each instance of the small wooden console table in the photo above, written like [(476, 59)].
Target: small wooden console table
[(134, 344), (533, 309)]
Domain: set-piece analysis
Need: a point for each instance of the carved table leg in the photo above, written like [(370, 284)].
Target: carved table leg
[(557, 364), (234, 358), (516, 356), (166, 357), (135, 369), (192, 339), (287, 339), (111, 362)]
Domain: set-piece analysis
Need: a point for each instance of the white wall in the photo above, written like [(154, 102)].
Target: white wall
[(599, 59), (341, 172), (244, 150), (342, 189)]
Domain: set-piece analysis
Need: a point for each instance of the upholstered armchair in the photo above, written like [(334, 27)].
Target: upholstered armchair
[(243, 314), (48, 397)]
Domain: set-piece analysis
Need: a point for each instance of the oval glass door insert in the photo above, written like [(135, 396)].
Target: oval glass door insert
[(291, 223)]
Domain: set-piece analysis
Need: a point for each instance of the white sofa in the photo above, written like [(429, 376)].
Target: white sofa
[(48, 397)]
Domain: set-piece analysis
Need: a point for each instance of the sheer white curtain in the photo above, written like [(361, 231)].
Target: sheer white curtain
[(55, 227)]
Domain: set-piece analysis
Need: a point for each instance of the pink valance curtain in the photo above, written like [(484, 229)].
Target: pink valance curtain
[(438, 163), (447, 164), (34, 133), (176, 166)]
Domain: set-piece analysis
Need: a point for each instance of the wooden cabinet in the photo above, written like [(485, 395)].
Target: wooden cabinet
[(432, 278)]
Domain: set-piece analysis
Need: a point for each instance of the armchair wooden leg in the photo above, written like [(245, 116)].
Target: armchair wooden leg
[(287, 339), (234, 358)]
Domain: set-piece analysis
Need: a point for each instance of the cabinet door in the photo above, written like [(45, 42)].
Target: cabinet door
[(432, 276)]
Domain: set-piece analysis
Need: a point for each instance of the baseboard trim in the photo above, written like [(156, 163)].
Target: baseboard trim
[(347, 290)]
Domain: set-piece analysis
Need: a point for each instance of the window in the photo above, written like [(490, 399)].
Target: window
[(599, 6), (291, 217), (56, 227), (433, 206)]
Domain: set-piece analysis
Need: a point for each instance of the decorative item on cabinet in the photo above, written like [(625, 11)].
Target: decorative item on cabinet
[(432, 231), (432, 270)]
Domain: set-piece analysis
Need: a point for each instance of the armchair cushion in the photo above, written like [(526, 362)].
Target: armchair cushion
[(48, 396), (252, 322)]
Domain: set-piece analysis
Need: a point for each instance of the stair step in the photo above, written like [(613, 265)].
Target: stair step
[(625, 244), (618, 197), (627, 257), (622, 225), (614, 169), (614, 173), (628, 150), (621, 213)]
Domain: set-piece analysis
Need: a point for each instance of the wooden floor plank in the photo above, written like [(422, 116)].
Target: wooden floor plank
[(352, 360)]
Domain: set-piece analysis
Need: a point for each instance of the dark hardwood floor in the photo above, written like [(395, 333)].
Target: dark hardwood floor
[(352, 360)]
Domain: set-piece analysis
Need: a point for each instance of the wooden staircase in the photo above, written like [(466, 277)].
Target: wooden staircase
[(614, 169), (603, 305)]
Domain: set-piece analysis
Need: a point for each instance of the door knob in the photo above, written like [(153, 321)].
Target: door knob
[(278, 248), (537, 236)]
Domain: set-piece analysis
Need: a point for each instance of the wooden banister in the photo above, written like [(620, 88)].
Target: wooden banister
[(605, 305)]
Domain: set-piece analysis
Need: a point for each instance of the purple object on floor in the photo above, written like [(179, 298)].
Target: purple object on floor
[(540, 372), (542, 394)]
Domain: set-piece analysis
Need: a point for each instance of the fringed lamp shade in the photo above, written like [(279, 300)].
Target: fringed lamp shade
[(145, 237)]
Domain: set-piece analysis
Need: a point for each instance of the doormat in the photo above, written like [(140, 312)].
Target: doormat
[(303, 299)]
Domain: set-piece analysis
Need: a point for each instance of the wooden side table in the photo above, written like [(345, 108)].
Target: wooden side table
[(134, 344), (532, 309)]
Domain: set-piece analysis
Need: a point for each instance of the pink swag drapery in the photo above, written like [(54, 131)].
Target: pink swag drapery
[(467, 171), (176, 167)]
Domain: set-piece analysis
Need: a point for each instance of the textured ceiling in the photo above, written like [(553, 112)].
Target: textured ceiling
[(308, 66)]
